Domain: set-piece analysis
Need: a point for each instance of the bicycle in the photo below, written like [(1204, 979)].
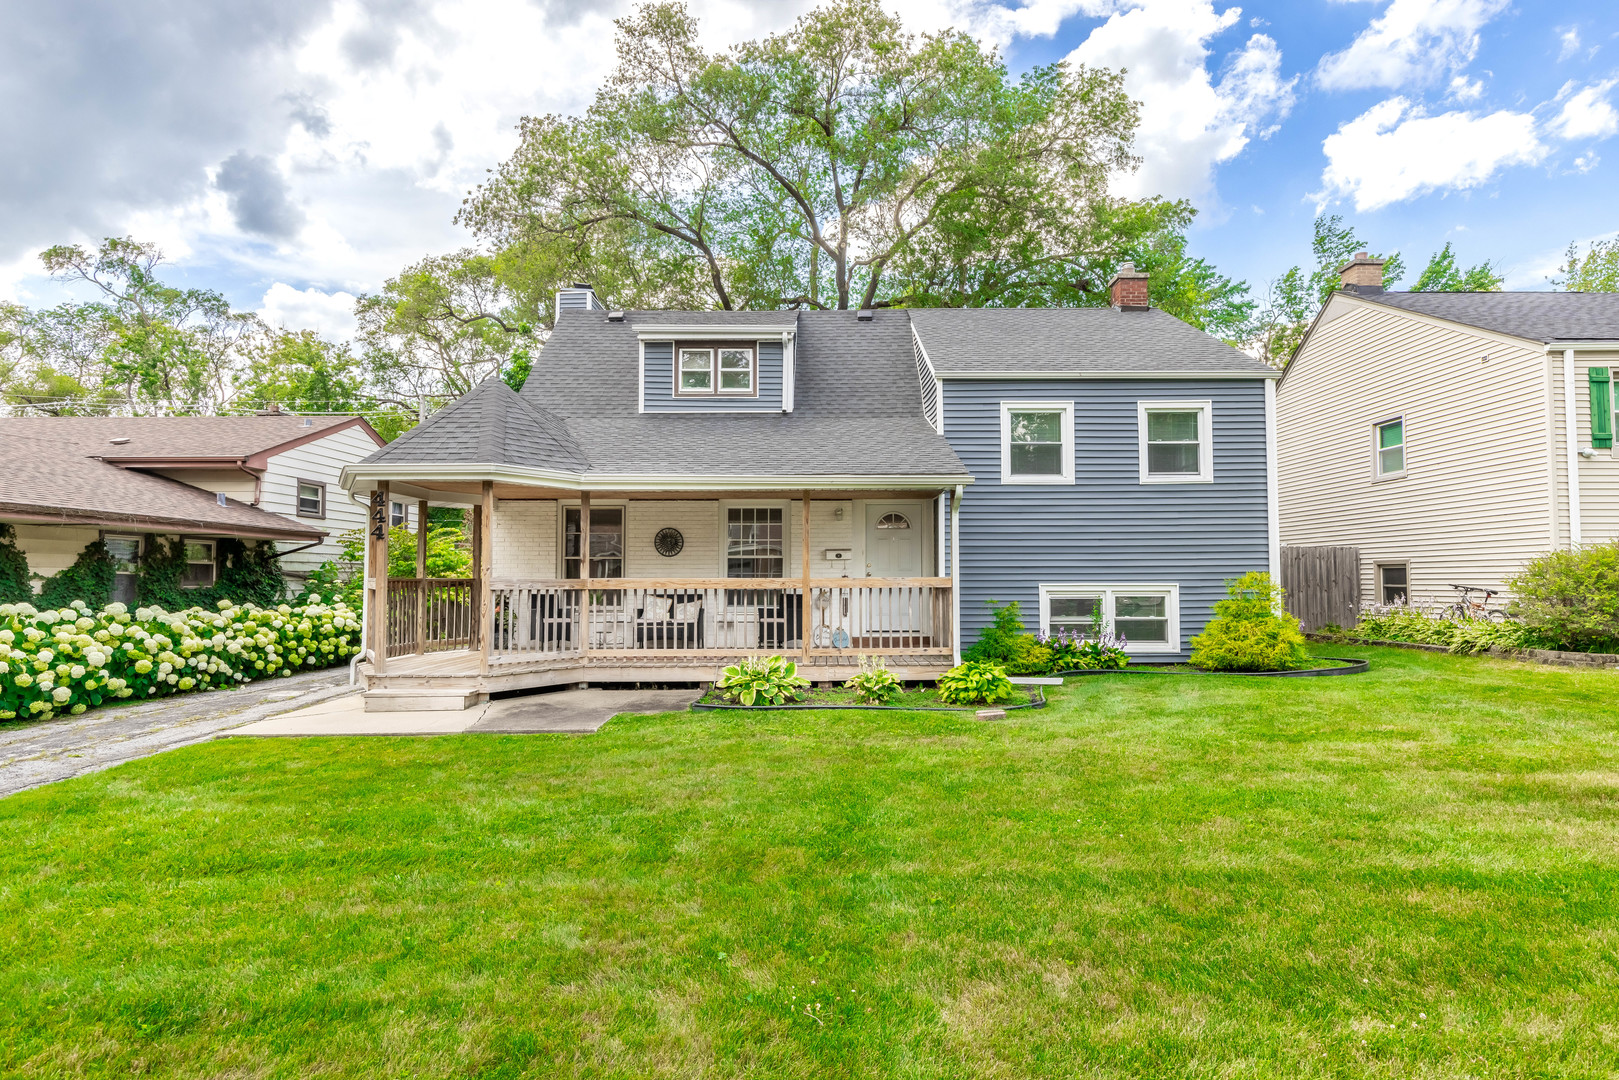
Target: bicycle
[(1467, 608)]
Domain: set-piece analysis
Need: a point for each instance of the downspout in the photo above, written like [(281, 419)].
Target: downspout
[(365, 571), (955, 572), (1572, 449), (1273, 511)]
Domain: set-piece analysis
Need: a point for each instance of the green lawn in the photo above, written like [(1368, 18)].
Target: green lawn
[(1411, 873)]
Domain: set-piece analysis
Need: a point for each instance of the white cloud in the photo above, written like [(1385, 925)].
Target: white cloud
[(1189, 123), (331, 315), (1394, 151), (1464, 89), (1587, 113), (1414, 42), (1570, 40)]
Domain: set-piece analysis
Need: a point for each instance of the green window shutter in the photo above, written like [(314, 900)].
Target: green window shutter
[(1601, 407)]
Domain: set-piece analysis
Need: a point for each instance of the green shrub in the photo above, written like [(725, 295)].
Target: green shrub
[(70, 659), (89, 579), (246, 575), (875, 684), (1004, 642), (976, 682), (762, 680), (16, 586), (1076, 652), (1570, 599), (334, 582), (1248, 634)]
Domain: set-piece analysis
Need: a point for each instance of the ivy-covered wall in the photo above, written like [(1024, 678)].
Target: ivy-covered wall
[(245, 572)]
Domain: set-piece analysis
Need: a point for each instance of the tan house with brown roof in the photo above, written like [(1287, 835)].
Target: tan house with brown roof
[(1450, 437), (68, 481)]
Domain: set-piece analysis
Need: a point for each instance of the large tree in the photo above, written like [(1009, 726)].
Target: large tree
[(159, 347), (840, 164), (1293, 299), (1596, 271), (1443, 275)]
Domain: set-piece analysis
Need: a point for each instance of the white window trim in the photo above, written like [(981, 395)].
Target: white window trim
[(1107, 592), (753, 371), (1405, 449), (680, 370), (1066, 408), (789, 533), (1205, 440)]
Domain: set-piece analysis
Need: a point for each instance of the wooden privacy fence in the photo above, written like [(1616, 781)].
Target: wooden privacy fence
[(1323, 585)]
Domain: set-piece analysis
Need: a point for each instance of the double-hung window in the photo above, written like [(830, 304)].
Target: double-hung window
[(398, 515), (199, 570), (1175, 442), (1393, 581), (1037, 442), (1146, 616), (736, 371), (1389, 447), (696, 371), (311, 499), (755, 541)]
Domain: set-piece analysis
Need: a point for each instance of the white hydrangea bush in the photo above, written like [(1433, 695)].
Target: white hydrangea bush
[(67, 660)]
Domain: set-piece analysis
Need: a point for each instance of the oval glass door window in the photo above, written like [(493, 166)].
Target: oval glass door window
[(893, 521)]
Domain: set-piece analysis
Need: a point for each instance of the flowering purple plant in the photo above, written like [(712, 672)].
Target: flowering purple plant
[(1072, 650)]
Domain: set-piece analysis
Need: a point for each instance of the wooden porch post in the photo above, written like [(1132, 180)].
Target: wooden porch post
[(584, 571), (483, 561), (421, 576), (804, 604), (377, 586)]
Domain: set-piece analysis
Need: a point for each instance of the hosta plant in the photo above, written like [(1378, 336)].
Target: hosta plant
[(875, 684), (66, 660), (762, 680), (1073, 651), (977, 682)]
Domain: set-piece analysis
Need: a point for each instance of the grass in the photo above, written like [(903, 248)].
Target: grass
[(1410, 873)]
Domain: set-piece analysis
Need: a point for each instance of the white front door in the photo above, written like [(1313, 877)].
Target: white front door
[(896, 537)]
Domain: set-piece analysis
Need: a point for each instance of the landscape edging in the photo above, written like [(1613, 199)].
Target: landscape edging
[(1354, 667), (1039, 702)]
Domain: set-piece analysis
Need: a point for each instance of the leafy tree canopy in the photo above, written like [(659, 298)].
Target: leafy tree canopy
[(1596, 271), (1293, 298), (840, 164), (1443, 275)]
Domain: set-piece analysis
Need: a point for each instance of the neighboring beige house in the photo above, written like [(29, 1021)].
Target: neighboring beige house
[(67, 481), (1439, 432)]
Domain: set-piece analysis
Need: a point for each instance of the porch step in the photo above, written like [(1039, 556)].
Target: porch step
[(422, 700)]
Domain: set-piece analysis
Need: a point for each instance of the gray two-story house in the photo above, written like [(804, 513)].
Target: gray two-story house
[(671, 490)]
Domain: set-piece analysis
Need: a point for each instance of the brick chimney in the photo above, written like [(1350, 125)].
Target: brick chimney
[(1362, 274), (1128, 289)]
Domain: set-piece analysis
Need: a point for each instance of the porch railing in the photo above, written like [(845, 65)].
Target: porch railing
[(724, 617), (430, 614)]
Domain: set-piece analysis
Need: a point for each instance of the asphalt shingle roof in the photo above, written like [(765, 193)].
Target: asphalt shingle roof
[(52, 469), (857, 408), (1034, 340), (1538, 316), (223, 437)]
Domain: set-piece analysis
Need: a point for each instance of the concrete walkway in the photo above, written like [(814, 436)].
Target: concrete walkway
[(51, 750), (574, 712)]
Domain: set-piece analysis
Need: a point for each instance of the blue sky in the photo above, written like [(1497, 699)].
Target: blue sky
[(295, 154)]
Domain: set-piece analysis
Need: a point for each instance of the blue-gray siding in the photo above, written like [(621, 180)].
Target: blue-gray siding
[(659, 383), (1108, 527)]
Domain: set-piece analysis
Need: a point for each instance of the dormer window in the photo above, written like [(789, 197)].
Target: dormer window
[(722, 368)]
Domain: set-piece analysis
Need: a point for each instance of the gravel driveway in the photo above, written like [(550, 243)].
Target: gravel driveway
[(38, 753)]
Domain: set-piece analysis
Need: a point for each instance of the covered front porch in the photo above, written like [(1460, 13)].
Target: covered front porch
[(670, 586)]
